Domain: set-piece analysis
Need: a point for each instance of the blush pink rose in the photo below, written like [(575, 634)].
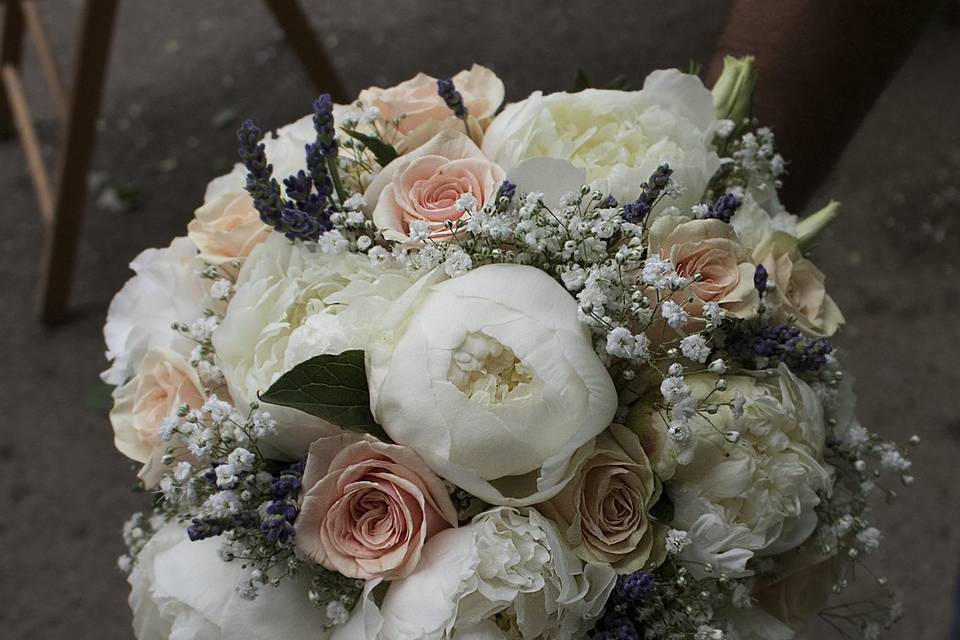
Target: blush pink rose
[(709, 248), (368, 507), (423, 112), (426, 184), (164, 381), (227, 227), (800, 291)]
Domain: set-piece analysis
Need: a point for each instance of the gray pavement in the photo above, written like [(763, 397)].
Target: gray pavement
[(182, 75)]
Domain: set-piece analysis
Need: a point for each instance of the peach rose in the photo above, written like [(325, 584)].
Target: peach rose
[(425, 185), (164, 382), (227, 226), (603, 511), (423, 111), (368, 507), (800, 289), (710, 248)]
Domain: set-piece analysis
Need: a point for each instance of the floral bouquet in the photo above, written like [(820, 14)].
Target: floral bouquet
[(429, 367)]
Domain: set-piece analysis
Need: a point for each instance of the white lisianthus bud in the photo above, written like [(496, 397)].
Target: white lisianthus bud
[(733, 91)]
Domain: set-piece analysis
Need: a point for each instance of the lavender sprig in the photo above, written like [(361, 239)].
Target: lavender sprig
[(260, 184), (454, 101), (650, 192), (305, 213)]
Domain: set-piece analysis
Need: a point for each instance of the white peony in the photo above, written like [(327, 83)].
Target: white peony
[(293, 302), (182, 589), (619, 137), (756, 496), (492, 379), (167, 288), (506, 562)]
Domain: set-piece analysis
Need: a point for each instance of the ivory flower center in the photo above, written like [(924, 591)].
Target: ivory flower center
[(488, 372)]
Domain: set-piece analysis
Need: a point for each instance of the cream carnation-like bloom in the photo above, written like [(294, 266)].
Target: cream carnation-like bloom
[(293, 302), (754, 496), (492, 379), (619, 137), (167, 288), (505, 561)]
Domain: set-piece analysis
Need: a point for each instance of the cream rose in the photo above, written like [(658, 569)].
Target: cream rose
[(164, 382), (754, 496), (167, 288), (368, 507), (492, 379), (603, 511), (619, 137), (423, 112), (799, 290), (426, 184), (504, 561), (227, 227), (182, 589), (293, 302), (711, 249)]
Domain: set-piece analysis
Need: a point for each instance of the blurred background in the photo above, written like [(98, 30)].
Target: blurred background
[(183, 74)]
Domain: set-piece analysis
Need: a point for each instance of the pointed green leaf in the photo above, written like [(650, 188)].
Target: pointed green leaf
[(330, 386), (382, 151)]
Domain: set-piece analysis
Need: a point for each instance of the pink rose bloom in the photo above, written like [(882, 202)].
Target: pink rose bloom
[(800, 290), (712, 249), (227, 227), (165, 381), (424, 112), (425, 185), (368, 507)]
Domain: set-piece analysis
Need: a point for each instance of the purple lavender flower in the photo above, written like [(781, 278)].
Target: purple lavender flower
[(448, 91)]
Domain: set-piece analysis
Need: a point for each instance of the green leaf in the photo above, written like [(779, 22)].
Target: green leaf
[(382, 151), (98, 397), (332, 387), (580, 82)]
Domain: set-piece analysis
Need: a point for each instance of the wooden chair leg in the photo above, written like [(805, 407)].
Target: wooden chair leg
[(93, 48), (11, 53), (296, 25)]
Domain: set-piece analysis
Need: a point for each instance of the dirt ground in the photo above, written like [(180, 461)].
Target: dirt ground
[(184, 73)]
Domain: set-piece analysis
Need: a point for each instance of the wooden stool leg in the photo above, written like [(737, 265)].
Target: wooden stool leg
[(295, 24), (11, 53), (93, 50)]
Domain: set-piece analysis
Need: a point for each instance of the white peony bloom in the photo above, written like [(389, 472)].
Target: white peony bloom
[(619, 137), (293, 302), (167, 288), (754, 496), (507, 562), (492, 379), (182, 589)]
